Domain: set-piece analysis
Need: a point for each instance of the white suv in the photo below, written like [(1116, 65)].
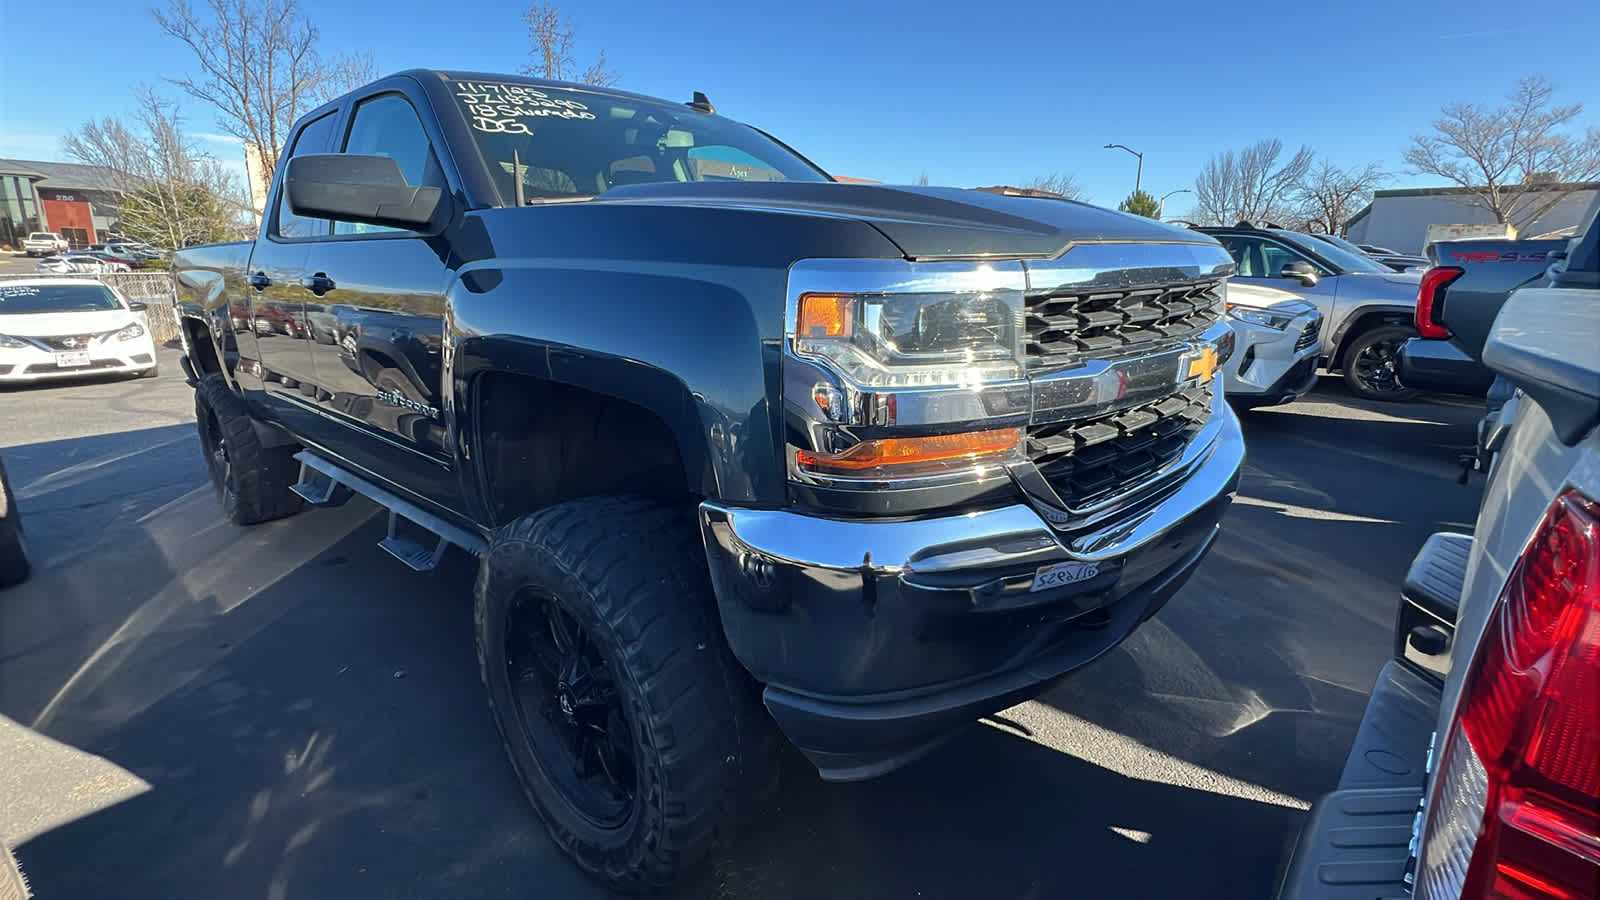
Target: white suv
[(43, 243)]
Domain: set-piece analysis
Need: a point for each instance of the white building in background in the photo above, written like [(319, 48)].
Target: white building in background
[(1399, 219), (258, 176)]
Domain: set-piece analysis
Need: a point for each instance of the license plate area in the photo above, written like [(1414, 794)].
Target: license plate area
[(72, 359), (1067, 573)]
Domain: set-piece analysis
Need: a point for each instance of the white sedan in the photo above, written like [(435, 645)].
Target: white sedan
[(1277, 342), (53, 327)]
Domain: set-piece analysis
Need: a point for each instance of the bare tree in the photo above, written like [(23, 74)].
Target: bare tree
[(1515, 160), (922, 179), (1329, 195), (553, 36), (168, 190), (258, 66), (1249, 185), (344, 73), (1059, 183)]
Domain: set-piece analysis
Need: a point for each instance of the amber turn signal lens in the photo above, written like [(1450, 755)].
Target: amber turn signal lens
[(826, 315), (897, 455)]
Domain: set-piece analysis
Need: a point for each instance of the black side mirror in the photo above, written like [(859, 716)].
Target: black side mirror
[(1301, 271), (136, 306), (367, 189)]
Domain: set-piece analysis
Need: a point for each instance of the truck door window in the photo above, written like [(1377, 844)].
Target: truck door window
[(387, 125), (316, 137)]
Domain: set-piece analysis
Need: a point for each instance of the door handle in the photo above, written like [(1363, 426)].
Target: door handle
[(318, 284), (259, 280)]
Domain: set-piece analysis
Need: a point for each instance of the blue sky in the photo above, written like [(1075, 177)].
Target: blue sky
[(971, 93)]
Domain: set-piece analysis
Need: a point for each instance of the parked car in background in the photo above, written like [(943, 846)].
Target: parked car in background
[(51, 327), (1367, 308), (62, 265), (43, 243), (1475, 771), (137, 252), (108, 262), (13, 550), (116, 253), (1457, 304), (1399, 262), (1277, 346)]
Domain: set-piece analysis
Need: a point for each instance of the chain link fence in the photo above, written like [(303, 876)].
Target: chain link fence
[(152, 288)]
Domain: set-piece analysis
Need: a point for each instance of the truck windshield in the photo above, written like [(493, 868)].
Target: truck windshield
[(22, 299), (572, 143)]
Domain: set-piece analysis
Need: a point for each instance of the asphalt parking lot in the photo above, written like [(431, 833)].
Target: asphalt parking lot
[(191, 710)]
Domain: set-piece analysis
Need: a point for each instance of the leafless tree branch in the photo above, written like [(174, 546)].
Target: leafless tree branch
[(1249, 184), (1329, 196), (553, 36), (258, 66), (168, 190), (1060, 183), (1515, 160)]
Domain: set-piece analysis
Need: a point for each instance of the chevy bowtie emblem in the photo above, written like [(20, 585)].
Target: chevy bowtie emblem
[(1204, 366), (70, 342)]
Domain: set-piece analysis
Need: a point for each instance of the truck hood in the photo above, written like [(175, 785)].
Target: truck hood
[(924, 222), (63, 323)]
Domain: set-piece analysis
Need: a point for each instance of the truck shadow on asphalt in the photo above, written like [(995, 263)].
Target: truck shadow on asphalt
[(308, 718)]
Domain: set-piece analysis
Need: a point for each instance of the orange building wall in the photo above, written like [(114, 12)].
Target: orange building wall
[(61, 212)]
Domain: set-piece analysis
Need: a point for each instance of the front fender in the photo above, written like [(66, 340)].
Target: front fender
[(683, 342), (202, 297), (1357, 311)]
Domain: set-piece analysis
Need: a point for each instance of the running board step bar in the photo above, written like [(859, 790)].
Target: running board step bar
[(323, 483)]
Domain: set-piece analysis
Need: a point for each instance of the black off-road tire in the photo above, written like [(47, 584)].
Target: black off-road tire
[(252, 481), (14, 565), (1379, 338), (632, 575)]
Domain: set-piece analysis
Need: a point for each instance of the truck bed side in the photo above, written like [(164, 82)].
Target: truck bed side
[(1491, 271)]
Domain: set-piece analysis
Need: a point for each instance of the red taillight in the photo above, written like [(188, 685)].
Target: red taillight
[(1516, 810), (1429, 295)]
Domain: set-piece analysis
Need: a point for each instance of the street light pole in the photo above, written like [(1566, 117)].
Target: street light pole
[(1138, 176), (1162, 203)]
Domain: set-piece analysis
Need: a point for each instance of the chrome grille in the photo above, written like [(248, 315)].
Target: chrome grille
[(1095, 459), (1067, 327), (1308, 336)]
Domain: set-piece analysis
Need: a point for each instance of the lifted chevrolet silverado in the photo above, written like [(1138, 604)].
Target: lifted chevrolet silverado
[(724, 434)]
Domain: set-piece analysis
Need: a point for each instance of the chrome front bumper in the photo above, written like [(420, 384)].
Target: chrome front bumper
[(876, 638)]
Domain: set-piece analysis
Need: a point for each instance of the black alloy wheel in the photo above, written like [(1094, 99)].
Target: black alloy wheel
[(1372, 364), (568, 704)]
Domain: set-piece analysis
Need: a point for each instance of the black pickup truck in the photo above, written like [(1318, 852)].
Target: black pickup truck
[(737, 446)]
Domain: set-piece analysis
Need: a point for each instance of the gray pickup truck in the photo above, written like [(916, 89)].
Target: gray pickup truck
[(1475, 771), (1457, 304), (740, 449)]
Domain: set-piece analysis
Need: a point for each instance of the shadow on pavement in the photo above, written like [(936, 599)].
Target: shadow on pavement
[(307, 714)]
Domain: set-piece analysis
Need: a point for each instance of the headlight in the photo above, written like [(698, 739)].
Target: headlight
[(910, 374), (914, 339), (10, 343), (1264, 317), (134, 330)]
